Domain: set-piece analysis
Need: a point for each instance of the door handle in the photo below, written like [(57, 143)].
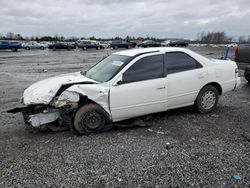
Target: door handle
[(161, 88)]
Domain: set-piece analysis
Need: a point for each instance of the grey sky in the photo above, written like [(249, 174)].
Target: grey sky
[(107, 18)]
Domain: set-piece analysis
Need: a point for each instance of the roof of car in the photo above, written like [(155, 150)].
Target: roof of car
[(134, 52)]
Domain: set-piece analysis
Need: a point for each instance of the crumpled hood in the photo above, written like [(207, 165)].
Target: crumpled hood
[(42, 92)]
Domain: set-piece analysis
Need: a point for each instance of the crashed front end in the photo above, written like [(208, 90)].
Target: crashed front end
[(51, 103)]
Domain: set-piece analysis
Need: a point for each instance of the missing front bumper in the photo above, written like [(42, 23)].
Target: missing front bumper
[(36, 120)]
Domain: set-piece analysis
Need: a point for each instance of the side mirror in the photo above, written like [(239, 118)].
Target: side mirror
[(119, 82)]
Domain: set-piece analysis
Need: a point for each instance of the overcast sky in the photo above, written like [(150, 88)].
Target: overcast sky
[(108, 18)]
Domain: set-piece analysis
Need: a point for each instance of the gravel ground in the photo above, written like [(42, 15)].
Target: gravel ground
[(178, 148)]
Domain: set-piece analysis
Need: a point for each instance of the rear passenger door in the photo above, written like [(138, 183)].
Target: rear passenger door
[(185, 77)]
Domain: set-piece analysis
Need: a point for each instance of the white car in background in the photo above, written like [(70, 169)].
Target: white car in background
[(129, 84), (232, 45), (165, 43)]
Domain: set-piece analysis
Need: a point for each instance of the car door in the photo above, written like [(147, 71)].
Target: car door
[(185, 77), (141, 91)]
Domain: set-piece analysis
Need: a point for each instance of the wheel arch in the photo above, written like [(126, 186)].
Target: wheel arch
[(216, 85), (85, 100)]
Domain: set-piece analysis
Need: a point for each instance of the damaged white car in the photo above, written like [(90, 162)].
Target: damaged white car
[(128, 84)]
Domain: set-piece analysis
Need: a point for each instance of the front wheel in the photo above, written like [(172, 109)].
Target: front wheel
[(13, 49), (90, 118), (207, 99)]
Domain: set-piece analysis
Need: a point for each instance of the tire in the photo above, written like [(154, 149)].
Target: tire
[(89, 118), (27, 48), (42, 48), (84, 48), (13, 49), (129, 47), (54, 48), (98, 48), (69, 48), (207, 99), (247, 76)]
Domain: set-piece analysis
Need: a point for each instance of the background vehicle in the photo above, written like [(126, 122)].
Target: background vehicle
[(88, 44), (121, 44), (60, 45), (242, 57), (149, 43), (13, 46), (34, 45), (129, 84), (232, 45), (178, 43), (165, 43)]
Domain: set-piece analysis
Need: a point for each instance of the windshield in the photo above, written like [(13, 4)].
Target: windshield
[(107, 68)]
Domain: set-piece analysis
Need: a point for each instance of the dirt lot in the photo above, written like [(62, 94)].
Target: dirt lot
[(205, 150)]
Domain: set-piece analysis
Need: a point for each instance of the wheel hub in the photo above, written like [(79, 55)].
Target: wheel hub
[(208, 100), (92, 120)]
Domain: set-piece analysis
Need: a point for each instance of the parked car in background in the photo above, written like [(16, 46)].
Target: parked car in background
[(149, 43), (34, 45), (129, 84), (178, 43), (232, 45), (88, 44), (120, 44), (165, 43), (242, 57), (60, 45), (13, 46)]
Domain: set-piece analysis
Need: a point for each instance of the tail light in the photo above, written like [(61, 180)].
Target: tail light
[(236, 52), (236, 70)]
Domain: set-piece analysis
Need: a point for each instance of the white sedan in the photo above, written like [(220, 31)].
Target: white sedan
[(129, 84)]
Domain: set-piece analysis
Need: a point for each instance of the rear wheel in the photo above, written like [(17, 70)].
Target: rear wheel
[(89, 118), (13, 49), (207, 99), (42, 48), (27, 48)]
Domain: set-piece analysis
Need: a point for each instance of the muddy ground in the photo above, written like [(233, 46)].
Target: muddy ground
[(205, 150)]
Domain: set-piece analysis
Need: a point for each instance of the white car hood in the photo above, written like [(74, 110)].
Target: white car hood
[(42, 92)]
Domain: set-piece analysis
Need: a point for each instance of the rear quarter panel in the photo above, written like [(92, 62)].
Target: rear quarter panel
[(223, 73)]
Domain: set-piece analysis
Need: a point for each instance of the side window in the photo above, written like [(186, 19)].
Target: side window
[(146, 68), (179, 61)]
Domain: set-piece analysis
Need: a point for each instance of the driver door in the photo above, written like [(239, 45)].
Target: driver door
[(141, 91)]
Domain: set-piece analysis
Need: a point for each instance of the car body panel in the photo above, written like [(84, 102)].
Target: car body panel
[(42, 92), (243, 53), (120, 44), (34, 45), (9, 45), (88, 44)]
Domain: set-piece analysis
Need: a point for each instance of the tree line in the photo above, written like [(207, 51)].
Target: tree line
[(205, 38), (19, 37)]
